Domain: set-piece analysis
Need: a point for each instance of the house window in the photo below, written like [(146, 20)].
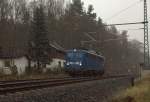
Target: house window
[(7, 63)]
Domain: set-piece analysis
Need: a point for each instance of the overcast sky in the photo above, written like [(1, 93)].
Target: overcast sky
[(107, 8)]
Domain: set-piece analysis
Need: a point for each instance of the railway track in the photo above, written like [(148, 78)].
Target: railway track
[(27, 80), (24, 85)]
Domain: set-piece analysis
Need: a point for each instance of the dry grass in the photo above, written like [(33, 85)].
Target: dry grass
[(139, 93), (34, 74)]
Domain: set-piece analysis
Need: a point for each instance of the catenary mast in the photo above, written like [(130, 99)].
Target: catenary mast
[(146, 40)]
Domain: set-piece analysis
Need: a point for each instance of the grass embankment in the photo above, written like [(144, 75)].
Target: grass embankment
[(139, 93)]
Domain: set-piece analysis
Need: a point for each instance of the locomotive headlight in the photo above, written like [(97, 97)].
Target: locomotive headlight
[(80, 64), (67, 63)]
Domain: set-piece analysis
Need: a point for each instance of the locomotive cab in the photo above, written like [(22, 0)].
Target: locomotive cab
[(81, 62), (74, 60)]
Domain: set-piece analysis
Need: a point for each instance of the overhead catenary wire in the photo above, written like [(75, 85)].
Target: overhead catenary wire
[(128, 29), (89, 36), (136, 29), (123, 10), (133, 23)]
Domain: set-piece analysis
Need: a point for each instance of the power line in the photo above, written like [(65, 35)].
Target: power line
[(123, 10), (126, 23), (136, 29), (128, 29), (89, 36), (95, 41)]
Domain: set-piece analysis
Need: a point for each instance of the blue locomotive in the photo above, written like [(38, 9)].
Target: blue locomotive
[(82, 62)]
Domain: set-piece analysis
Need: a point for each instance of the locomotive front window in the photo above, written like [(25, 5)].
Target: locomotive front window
[(70, 55), (76, 55)]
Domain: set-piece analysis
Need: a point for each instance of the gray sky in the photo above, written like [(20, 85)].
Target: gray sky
[(107, 8)]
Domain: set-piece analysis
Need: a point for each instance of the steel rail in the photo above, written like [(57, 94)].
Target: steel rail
[(12, 87)]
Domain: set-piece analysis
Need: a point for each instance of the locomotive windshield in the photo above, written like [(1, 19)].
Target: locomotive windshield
[(74, 55), (74, 58)]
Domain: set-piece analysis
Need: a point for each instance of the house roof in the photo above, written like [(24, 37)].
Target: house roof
[(7, 54), (17, 53), (57, 47)]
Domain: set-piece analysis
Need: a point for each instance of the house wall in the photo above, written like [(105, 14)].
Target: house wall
[(55, 63), (33, 63), (1, 63), (3, 69), (21, 64)]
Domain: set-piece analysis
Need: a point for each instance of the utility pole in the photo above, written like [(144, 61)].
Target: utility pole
[(146, 40)]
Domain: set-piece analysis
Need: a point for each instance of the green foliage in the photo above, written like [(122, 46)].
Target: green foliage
[(40, 39), (29, 70), (39, 28), (33, 71), (55, 71)]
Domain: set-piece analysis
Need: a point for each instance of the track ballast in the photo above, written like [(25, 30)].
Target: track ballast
[(25, 85)]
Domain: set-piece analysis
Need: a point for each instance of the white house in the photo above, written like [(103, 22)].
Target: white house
[(55, 64), (58, 57), (21, 62)]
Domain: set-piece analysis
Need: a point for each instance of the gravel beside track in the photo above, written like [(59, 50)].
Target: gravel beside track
[(93, 91), (12, 87)]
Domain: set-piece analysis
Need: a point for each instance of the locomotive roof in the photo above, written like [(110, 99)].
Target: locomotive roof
[(89, 52)]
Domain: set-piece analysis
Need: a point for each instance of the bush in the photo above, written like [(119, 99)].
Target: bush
[(55, 71), (14, 70)]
